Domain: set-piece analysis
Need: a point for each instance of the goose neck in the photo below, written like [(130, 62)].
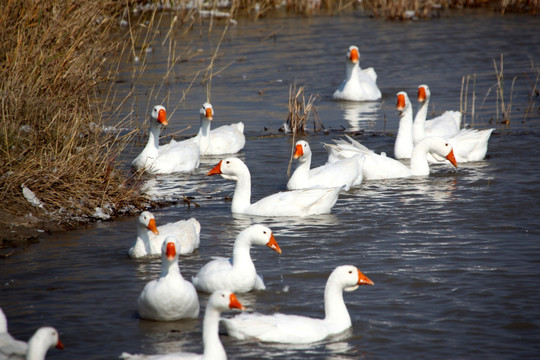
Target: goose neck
[(205, 126), (334, 306), (403, 146), (213, 348), (419, 122), (419, 163), (242, 192)]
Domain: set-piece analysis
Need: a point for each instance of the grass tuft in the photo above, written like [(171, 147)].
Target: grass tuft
[(52, 140)]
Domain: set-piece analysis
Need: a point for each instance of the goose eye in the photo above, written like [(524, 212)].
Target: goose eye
[(446, 144), (350, 271), (228, 162)]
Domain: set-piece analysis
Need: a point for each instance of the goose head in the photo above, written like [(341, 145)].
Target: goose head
[(423, 93), (403, 102), (230, 169), (262, 235), (147, 221), (302, 151), (159, 114), (207, 111), (349, 277), (353, 55), (440, 148), (170, 248), (222, 300), (43, 339)]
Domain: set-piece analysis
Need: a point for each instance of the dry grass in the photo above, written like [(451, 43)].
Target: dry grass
[(407, 9), (301, 110), (51, 141), (500, 94)]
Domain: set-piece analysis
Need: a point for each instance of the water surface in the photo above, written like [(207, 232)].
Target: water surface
[(454, 256)]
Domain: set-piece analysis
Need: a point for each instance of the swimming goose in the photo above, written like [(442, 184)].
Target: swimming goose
[(287, 203), (150, 238), (226, 139), (182, 156), (169, 297), (297, 329), (239, 274), (219, 301), (379, 166), (359, 85), (344, 172)]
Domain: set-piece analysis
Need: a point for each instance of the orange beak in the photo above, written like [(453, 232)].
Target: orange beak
[(421, 94), (209, 114), (272, 244), (363, 279), (400, 102), (452, 158), (234, 303), (354, 56), (299, 152), (162, 117), (216, 170), (171, 251), (152, 226), (59, 345)]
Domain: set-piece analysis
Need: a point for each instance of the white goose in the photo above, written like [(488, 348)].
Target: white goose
[(176, 156), (403, 146), (169, 297), (150, 238), (226, 139), (44, 338), (382, 167), (444, 125), (344, 172), (240, 275), (359, 85), (469, 144), (218, 302), (287, 203), (300, 329)]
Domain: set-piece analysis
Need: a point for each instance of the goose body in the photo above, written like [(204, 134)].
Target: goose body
[(284, 328), (287, 203), (218, 302), (238, 275), (469, 145), (169, 297), (150, 238), (379, 166), (226, 139), (342, 173), (445, 125), (176, 156), (359, 84)]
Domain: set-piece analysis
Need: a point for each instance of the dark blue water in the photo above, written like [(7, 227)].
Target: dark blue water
[(455, 256)]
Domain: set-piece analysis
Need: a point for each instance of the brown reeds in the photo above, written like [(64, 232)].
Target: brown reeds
[(501, 113), (301, 110), (52, 138), (411, 9)]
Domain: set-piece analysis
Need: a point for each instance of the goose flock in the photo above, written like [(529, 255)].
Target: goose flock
[(310, 191)]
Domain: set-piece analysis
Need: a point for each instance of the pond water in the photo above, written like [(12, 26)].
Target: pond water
[(455, 256)]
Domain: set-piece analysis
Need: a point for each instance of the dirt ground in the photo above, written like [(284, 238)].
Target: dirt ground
[(17, 233)]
